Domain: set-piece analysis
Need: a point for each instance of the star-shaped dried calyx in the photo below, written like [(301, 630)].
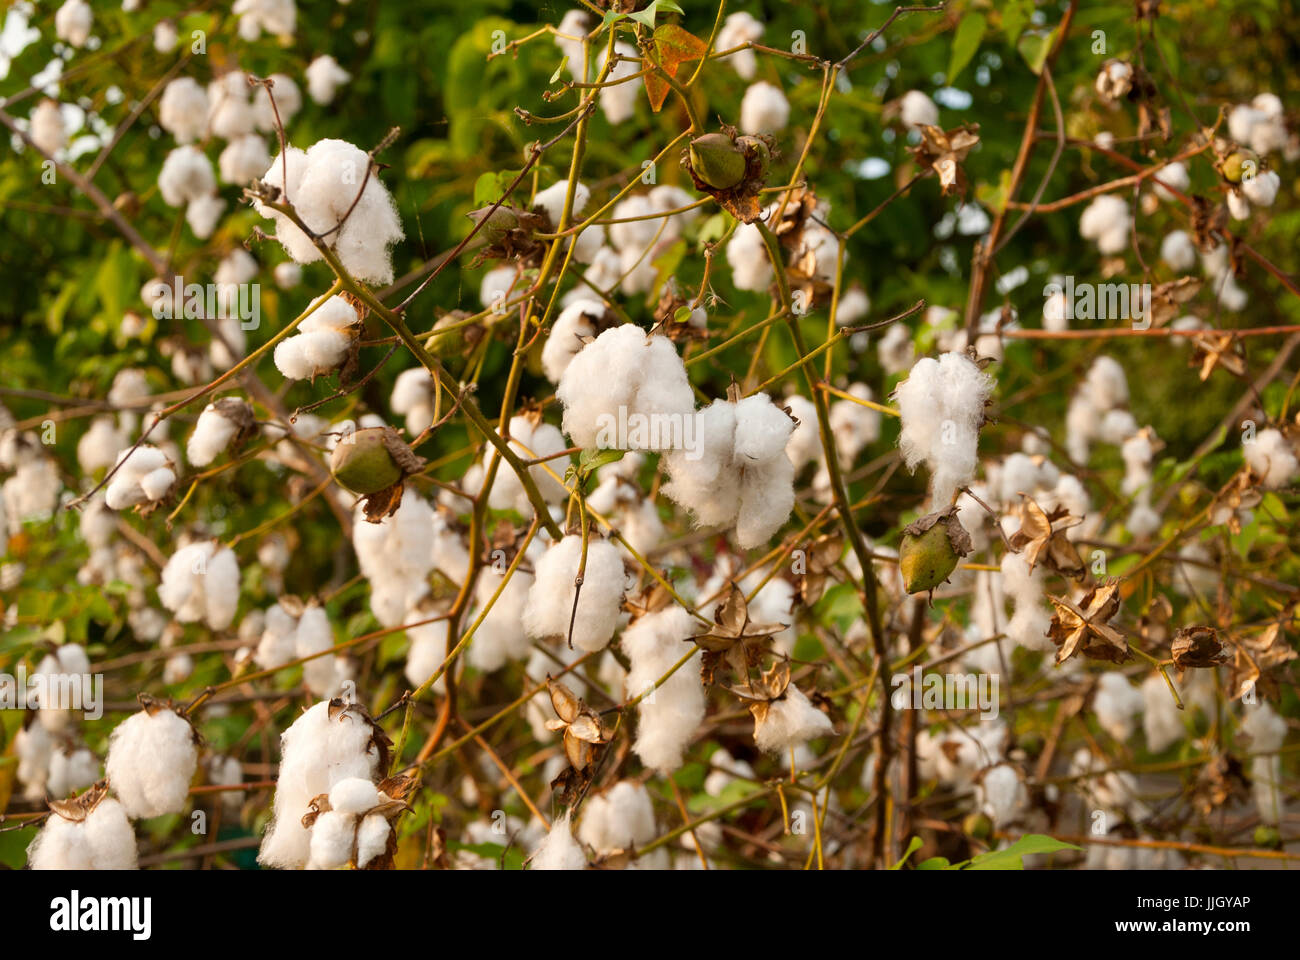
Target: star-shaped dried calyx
[(77, 808), (1042, 538), (1255, 659), (1221, 783), (735, 641), (653, 598), (1167, 299), (1217, 348), (944, 151), (930, 550), (820, 559), (759, 695), (1085, 627), (581, 725), (1197, 646)]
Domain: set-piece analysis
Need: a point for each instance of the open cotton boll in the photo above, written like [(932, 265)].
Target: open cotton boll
[(550, 606), (287, 275), (499, 639), (46, 127), (243, 160), (1117, 426), (618, 100), (212, 434), (621, 818), (1001, 794), (740, 28), (72, 23), (764, 109), (71, 771), (186, 175), (165, 36), (276, 17), (105, 840), (372, 839), (183, 110), (1262, 188), (551, 201), (138, 466), (1162, 721), (747, 255), (428, 647), (1116, 704), (625, 377), (1030, 618), (288, 101), (201, 582), (670, 715), (354, 796), (151, 760), (1106, 221), (941, 404), (316, 752), (230, 114), (916, 109), (1171, 175), (315, 636), (1271, 458), (790, 722), (322, 341), (805, 444), (1178, 251), (559, 851), (413, 398), (100, 445), (333, 835), (324, 78), (1238, 205), (529, 441), (576, 321), (895, 349), (1105, 384), (396, 556)]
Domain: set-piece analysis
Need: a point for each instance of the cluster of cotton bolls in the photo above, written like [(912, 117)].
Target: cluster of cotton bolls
[(626, 378), (32, 493), (352, 830), (1107, 221), (322, 341), (51, 759), (1271, 457), (669, 715), (200, 582), (620, 819), (1259, 124), (321, 749), (737, 471), (1098, 410), (294, 630), (187, 180), (550, 609), (1259, 188), (143, 474), (278, 18), (396, 556), (941, 404), (219, 424), (530, 439), (340, 199), (99, 839), (636, 242)]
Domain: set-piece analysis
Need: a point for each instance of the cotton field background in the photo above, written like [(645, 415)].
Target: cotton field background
[(649, 435)]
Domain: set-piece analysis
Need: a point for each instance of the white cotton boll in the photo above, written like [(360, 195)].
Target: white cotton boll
[(1142, 520), (296, 243), (315, 636), (1105, 384), (587, 245), (670, 715), (1242, 120), (178, 668), (72, 22), (333, 835), (1117, 426), (288, 101), (1106, 216), (747, 255), (551, 201), (916, 109), (186, 175), (324, 78), (1031, 618), (1116, 705), (1054, 313), (1172, 175), (124, 489), (322, 341), (1267, 730), (243, 160), (46, 127), (413, 397), (212, 434), (354, 796), (203, 214), (287, 275), (790, 721), (1238, 206), (183, 110), (496, 286), (151, 760), (1231, 296), (618, 102), (1001, 794), (396, 555), (499, 639), (529, 442), (1019, 475), (805, 444), (428, 647), (764, 109), (1271, 458), (666, 198), (1162, 723), (372, 839), (1177, 250), (201, 582), (156, 483), (60, 845), (109, 835), (576, 321), (1262, 188), (895, 349), (619, 819), (34, 748), (550, 606), (740, 28), (621, 373), (571, 29), (230, 114), (854, 306), (941, 404), (316, 752), (100, 445), (276, 17), (71, 772), (165, 36), (559, 851), (97, 524)]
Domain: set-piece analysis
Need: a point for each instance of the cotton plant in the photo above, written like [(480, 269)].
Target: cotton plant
[(322, 341)]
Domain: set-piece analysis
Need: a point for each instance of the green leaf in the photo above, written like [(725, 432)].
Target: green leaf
[(1015, 15), (1010, 858), (560, 69), (1035, 47), (592, 460), (934, 863), (969, 34), (913, 845)]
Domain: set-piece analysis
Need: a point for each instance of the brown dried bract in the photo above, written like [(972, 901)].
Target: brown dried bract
[(735, 641), (1197, 646), (1042, 537), (1084, 627), (944, 151)]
